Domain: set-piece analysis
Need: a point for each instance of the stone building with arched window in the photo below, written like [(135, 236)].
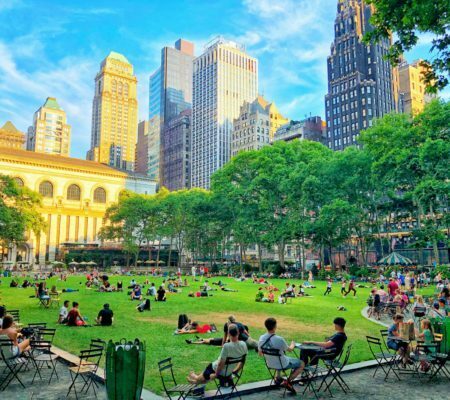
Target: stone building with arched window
[(75, 195)]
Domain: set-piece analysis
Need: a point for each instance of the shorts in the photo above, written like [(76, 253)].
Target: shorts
[(209, 370), (294, 363)]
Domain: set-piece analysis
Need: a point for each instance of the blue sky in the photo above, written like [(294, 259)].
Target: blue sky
[(54, 48)]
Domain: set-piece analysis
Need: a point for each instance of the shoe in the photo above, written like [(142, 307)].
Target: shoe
[(288, 385), (278, 381), (188, 341)]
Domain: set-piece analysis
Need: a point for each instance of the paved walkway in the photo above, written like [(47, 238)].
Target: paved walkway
[(42, 390), (364, 387)]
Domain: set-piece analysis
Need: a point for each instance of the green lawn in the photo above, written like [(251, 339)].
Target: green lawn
[(306, 318)]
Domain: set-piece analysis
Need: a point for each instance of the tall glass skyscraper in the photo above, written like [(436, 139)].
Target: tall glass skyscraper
[(224, 77), (170, 95), (361, 83)]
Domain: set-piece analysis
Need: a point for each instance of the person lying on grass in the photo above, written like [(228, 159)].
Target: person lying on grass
[(195, 327), (233, 349)]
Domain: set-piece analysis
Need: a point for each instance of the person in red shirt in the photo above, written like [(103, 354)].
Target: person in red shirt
[(392, 288), (351, 288)]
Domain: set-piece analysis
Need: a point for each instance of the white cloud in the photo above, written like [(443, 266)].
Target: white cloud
[(69, 80)]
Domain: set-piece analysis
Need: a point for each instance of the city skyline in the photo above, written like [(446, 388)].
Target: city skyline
[(59, 58)]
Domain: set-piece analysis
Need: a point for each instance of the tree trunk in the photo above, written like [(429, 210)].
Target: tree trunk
[(281, 246), (260, 257), (435, 244), (159, 251), (303, 251), (170, 253)]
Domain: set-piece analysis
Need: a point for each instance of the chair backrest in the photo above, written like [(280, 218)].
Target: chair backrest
[(38, 325), (374, 342), (384, 335), (272, 355), (97, 344), (47, 334), (347, 356), (230, 361), (91, 356), (165, 368), (6, 348), (15, 314)]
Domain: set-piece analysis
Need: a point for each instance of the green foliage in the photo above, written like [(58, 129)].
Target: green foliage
[(444, 270), (407, 19), (18, 212)]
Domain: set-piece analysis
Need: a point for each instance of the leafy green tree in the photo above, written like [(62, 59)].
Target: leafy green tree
[(18, 212), (407, 19)]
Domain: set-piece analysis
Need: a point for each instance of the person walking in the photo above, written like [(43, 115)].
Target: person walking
[(329, 286)]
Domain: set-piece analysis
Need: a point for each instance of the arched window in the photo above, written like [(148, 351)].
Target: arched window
[(99, 195), (46, 189), (19, 181), (73, 192)]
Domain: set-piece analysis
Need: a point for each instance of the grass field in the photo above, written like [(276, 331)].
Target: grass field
[(303, 319)]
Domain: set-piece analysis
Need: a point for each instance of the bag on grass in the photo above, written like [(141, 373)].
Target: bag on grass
[(182, 321)]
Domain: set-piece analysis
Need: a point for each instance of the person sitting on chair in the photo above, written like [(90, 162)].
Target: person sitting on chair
[(271, 340), (233, 349), (334, 344), (8, 331), (395, 341), (105, 316), (136, 293)]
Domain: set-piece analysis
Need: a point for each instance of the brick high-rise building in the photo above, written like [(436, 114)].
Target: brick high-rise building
[(114, 114), (361, 83)]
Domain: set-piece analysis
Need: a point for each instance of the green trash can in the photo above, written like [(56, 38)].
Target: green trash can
[(125, 368), (442, 326)]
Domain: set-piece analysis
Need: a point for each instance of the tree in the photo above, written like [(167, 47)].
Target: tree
[(18, 212), (407, 19)]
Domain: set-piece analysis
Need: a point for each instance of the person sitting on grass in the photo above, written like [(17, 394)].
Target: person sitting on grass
[(161, 294), (105, 316), (74, 317), (395, 342), (259, 295), (244, 335), (8, 331), (333, 345), (271, 340), (136, 293), (63, 312), (289, 291), (233, 349), (151, 291)]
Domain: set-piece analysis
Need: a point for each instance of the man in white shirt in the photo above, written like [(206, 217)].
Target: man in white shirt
[(193, 272), (235, 348), (271, 340), (64, 310)]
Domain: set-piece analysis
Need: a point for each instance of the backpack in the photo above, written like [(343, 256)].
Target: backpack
[(182, 321)]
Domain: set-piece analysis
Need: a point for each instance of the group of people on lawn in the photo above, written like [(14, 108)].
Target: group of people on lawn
[(237, 341)]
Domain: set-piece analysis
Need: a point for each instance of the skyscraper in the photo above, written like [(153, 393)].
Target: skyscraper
[(361, 84), (50, 132), (171, 94), (224, 77), (141, 164), (412, 87), (175, 161), (114, 114), (256, 125), (154, 148)]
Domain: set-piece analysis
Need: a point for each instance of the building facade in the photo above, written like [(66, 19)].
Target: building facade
[(50, 132), (412, 88), (141, 164), (361, 83), (256, 125), (175, 162), (224, 77), (10, 136), (114, 114), (154, 148), (75, 196), (311, 128), (170, 95)]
